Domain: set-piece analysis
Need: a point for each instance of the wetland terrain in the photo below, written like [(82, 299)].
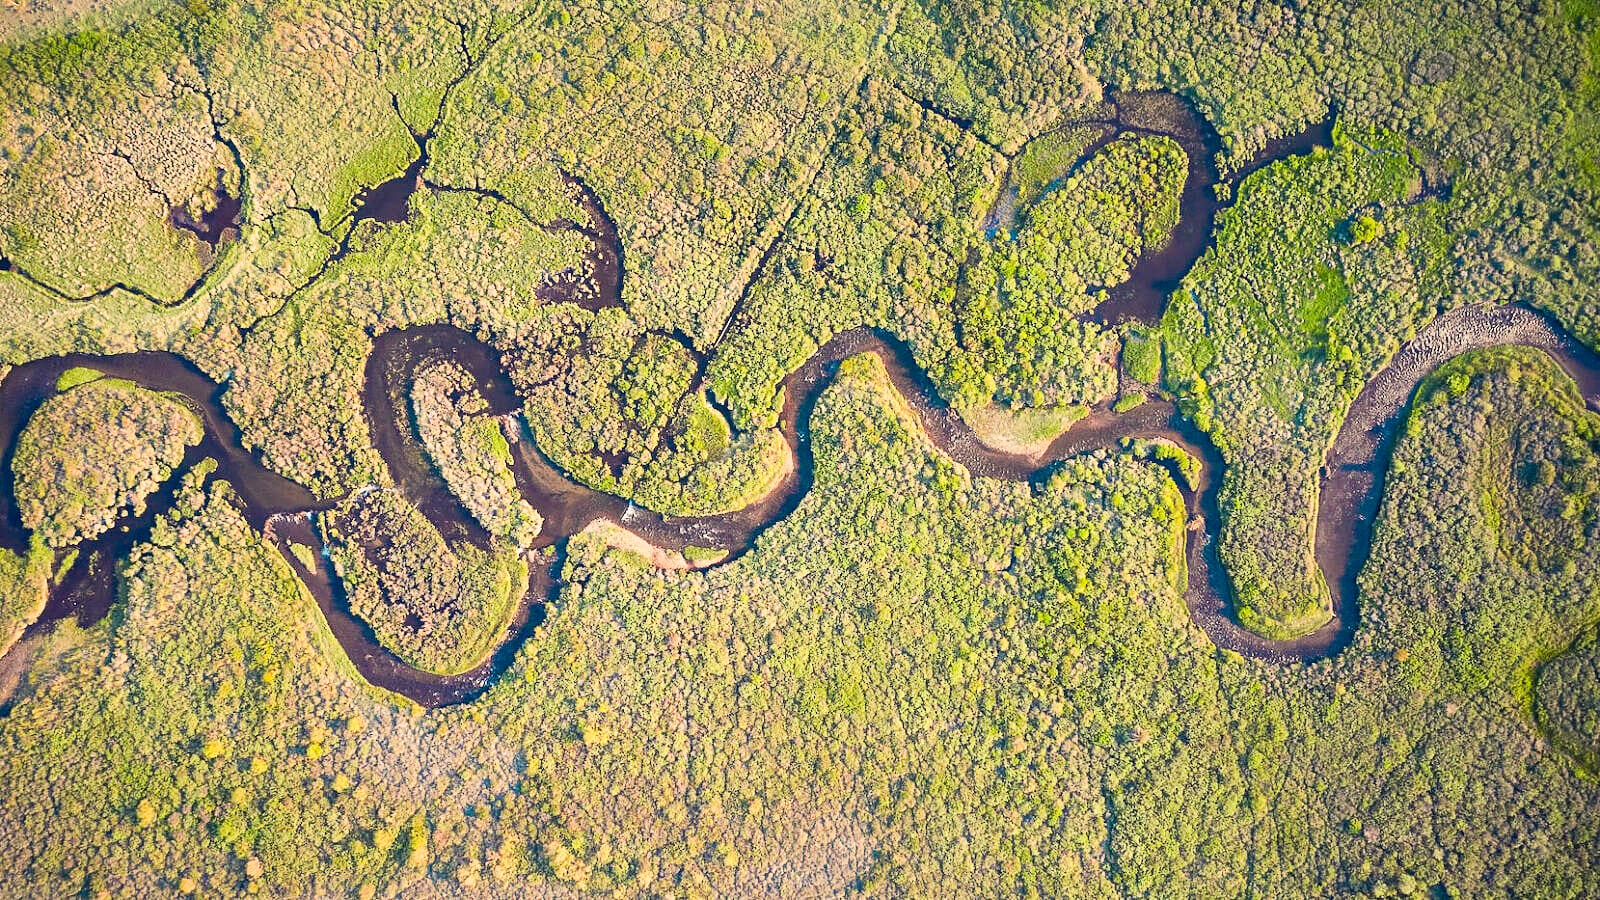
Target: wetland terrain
[(888, 450)]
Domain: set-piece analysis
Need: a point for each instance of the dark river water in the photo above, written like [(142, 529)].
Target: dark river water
[(288, 513)]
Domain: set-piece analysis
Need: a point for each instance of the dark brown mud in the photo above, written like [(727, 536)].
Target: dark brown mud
[(217, 225), (601, 285), (389, 201)]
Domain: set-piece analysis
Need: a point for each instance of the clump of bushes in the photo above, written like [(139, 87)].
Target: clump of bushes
[(96, 452), (438, 606), (469, 449)]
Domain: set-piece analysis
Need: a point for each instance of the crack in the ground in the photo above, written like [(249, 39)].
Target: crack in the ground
[(556, 226), (309, 212), (148, 183), (490, 194), (10, 266), (346, 227), (243, 171)]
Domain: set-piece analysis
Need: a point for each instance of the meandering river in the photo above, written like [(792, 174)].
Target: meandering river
[(1351, 487)]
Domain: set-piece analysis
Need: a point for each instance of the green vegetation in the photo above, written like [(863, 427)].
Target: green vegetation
[(94, 453), (77, 375), (1023, 294), (1048, 158), (1365, 229), (622, 417), (24, 588), (470, 451), (923, 680), (1275, 330), (1026, 431), (439, 606), (1141, 358), (978, 650), (1185, 468)]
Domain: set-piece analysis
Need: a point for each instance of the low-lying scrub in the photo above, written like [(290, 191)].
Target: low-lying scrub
[(94, 453), (438, 606), (469, 449)]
